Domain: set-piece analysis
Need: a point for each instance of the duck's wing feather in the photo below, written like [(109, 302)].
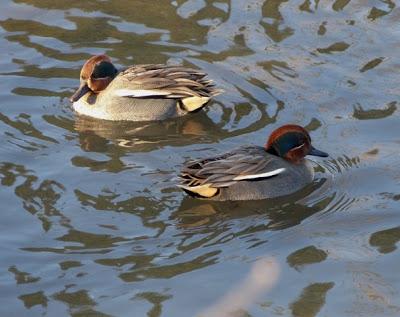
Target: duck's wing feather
[(245, 163), (158, 80)]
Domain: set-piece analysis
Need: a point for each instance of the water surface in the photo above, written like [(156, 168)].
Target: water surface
[(92, 223)]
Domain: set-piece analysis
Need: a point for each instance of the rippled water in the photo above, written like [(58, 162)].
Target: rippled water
[(92, 223)]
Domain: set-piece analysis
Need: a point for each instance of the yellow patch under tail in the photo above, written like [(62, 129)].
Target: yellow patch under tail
[(201, 190), (194, 103)]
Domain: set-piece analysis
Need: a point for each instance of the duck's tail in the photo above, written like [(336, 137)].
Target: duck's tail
[(195, 103), (204, 191)]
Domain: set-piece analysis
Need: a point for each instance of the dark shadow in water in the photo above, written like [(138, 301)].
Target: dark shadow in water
[(95, 135), (311, 300), (147, 208), (361, 114), (211, 220), (334, 48), (306, 256), (66, 265), (64, 122), (385, 240), (25, 126), (276, 30), (35, 92), (339, 5), (306, 6), (377, 13), (371, 64), (118, 138), (168, 271), (277, 68), (164, 17), (32, 299), (22, 277), (275, 208), (80, 303), (89, 241), (37, 198), (154, 299)]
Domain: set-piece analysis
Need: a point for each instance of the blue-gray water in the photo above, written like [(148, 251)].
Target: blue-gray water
[(91, 221)]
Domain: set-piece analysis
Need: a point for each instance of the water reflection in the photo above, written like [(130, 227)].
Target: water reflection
[(146, 208), (311, 300), (94, 135), (89, 203), (156, 299), (171, 270), (385, 240), (333, 48), (273, 21), (371, 64), (66, 265), (88, 241), (22, 277), (276, 214), (378, 12), (26, 127), (33, 299), (41, 200), (75, 301), (306, 256), (361, 114)]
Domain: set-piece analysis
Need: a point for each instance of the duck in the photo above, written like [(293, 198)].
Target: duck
[(252, 172), (148, 92)]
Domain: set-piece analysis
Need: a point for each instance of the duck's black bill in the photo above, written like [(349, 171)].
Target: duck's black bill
[(80, 92), (316, 152)]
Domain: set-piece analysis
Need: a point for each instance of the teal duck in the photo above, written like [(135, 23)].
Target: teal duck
[(140, 93), (254, 172)]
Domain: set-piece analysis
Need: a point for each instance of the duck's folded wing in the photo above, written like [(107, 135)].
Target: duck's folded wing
[(204, 177), (156, 80), (140, 93)]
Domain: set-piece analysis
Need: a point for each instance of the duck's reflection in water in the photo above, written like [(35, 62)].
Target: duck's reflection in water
[(278, 213), (96, 135)]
